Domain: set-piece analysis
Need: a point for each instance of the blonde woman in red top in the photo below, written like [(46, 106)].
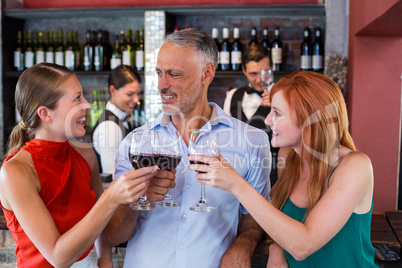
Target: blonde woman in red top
[(50, 188)]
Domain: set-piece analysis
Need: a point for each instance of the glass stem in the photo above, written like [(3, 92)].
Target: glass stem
[(143, 200), (203, 199), (168, 196)]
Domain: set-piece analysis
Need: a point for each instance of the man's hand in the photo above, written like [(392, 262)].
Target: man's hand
[(265, 99), (160, 184)]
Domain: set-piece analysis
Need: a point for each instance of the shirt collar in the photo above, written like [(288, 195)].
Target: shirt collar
[(113, 108), (218, 117)]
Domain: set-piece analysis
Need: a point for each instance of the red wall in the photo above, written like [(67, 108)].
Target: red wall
[(123, 3), (374, 96)]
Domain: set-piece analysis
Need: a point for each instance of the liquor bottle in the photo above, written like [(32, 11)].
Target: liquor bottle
[(40, 49), (88, 52), (236, 52), (115, 59), (50, 48), (98, 52), (139, 52), (69, 60), (77, 51), (276, 52), (128, 50), (306, 51), (318, 51), (253, 40), (122, 41), (107, 51), (59, 51), (265, 40), (29, 51), (19, 61), (215, 36), (95, 108), (225, 51)]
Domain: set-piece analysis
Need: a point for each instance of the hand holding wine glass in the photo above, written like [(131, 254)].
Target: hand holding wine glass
[(170, 151), (203, 142), (266, 79), (143, 153)]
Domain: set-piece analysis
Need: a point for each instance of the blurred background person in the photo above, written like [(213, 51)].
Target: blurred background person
[(251, 103), (116, 120)]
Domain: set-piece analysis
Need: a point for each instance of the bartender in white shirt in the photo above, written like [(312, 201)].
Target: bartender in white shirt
[(113, 125), (251, 104)]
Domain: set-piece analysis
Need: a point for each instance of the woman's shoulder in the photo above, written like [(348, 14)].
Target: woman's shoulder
[(354, 164)]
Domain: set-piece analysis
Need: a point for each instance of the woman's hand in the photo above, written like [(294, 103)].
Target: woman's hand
[(129, 187), (218, 173), (277, 258)]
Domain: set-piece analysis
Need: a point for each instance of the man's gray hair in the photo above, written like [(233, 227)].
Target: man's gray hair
[(201, 41)]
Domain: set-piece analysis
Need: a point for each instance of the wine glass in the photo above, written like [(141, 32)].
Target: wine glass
[(170, 152), (266, 78), (143, 153), (203, 142)]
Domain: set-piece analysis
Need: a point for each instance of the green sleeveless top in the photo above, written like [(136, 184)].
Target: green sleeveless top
[(350, 247)]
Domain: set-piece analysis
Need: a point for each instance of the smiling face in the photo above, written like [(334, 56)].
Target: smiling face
[(68, 118), (179, 79), (252, 72), (285, 132), (126, 97)]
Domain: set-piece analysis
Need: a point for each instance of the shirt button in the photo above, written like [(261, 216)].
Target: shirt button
[(187, 186), (185, 216), (181, 247)]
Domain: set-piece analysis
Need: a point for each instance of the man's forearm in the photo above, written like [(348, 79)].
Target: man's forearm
[(250, 232), (121, 226)]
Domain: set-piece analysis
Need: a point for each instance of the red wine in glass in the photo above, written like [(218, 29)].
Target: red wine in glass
[(198, 162), (143, 160), (168, 162)]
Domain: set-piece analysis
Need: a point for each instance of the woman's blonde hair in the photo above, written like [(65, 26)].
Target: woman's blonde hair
[(320, 110), (37, 86)]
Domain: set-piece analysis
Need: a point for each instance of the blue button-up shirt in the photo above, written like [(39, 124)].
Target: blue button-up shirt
[(178, 237)]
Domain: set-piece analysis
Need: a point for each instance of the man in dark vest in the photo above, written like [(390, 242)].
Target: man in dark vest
[(251, 104)]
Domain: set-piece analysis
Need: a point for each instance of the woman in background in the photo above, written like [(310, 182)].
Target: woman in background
[(322, 202), (111, 128), (50, 189)]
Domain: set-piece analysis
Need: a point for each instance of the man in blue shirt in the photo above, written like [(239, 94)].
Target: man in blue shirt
[(178, 237)]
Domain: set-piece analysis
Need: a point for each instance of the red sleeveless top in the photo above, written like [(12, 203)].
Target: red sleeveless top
[(66, 191)]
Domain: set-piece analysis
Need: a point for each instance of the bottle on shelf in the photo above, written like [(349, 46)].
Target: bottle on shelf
[(107, 50), (95, 108), (69, 59), (225, 51), (306, 51), (236, 53), (139, 51), (176, 28), (40, 49), (253, 39), (265, 39), (29, 51), (115, 59), (122, 41), (276, 51), (77, 51), (88, 52), (50, 48), (98, 52), (19, 61), (59, 50), (128, 51), (318, 51), (215, 36)]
